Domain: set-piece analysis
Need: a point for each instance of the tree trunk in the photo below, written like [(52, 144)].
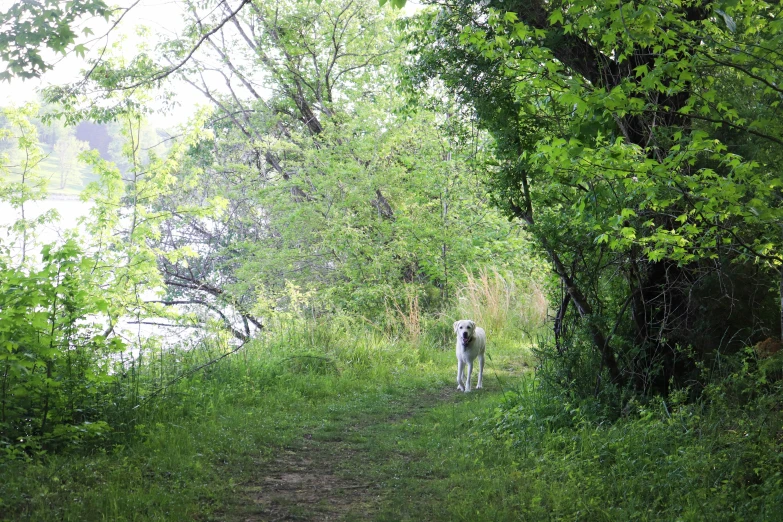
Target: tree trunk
[(580, 301), (558, 326), (780, 289)]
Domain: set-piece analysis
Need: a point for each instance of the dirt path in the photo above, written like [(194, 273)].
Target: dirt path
[(333, 471)]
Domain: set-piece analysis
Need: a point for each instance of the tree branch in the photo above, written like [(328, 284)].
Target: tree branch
[(226, 322), (195, 48)]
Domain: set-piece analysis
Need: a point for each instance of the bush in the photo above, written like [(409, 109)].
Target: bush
[(54, 365), (671, 458)]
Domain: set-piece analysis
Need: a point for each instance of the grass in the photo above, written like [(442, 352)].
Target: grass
[(345, 422), (196, 451), (501, 304)]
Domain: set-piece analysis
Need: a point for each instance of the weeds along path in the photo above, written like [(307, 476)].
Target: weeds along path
[(369, 459)]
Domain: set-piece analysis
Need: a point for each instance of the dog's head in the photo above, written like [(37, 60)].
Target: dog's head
[(464, 330)]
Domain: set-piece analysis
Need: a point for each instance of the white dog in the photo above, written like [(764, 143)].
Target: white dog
[(471, 342)]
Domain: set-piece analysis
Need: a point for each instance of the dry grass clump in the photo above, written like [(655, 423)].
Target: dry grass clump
[(495, 301), (407, 315)]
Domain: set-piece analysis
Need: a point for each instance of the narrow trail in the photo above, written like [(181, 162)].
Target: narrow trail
[(342, 469), (333, 472), (373, 456)]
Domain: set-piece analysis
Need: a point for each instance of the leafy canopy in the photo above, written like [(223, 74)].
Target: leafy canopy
[(28, 27)]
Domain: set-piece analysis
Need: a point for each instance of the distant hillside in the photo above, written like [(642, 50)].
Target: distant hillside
[(74, 184), (61, 146), (49, 169), (96, 135)]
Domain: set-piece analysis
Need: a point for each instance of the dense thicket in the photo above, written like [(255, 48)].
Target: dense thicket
[(640, 143)]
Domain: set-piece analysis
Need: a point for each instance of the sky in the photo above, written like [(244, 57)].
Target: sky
[(160, 16)]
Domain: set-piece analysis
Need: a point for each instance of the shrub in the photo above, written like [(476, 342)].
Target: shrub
[(54, 364)]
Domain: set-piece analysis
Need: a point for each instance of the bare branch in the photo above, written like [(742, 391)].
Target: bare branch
[(195, 48)]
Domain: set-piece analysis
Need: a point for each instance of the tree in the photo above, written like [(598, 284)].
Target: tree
[(611, 129), (67, 148), (313, 174), (21, 181), (56, 354), (27, 27), (322, 182)]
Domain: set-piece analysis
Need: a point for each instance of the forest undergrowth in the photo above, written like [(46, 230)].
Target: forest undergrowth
[(347, 420)]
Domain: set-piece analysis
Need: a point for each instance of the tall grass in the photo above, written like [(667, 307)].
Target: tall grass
[(500, 303), (405, 318), (183, 439)]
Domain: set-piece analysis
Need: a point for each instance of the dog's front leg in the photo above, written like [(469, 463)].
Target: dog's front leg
[(481, 371), (460, 366), (470, 371)]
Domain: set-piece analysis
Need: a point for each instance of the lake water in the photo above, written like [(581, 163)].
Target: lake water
[(69, 211)]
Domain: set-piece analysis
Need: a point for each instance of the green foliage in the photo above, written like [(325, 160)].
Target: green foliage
[(20, 178), (62, 348), (716, 457), (55, 359), (53, 362), (201, 445), (321, 226), (328, 186), (26, 28), (399, 4), (393, 207), (186, 449), (616, 143), (323, 199)]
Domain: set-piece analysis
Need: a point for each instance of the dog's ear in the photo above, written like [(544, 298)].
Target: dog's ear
[(472, 324), (455, 325)]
